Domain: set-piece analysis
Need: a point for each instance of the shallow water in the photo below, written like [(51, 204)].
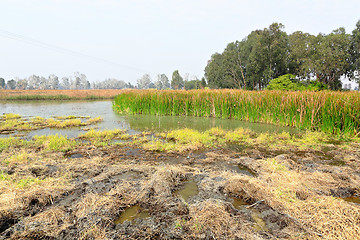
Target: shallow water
[(352, 199), (133, 123), (132, 213), (239, 203), (188, 190)]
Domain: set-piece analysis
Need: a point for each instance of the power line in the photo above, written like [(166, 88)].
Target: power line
[(34, 42)]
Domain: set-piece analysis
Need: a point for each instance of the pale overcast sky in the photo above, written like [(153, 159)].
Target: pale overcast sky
[(145, 36)]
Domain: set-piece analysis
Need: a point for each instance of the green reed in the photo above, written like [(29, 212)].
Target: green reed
[(327, 111)]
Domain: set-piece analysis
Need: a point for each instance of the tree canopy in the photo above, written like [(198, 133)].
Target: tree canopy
[(269, 53)]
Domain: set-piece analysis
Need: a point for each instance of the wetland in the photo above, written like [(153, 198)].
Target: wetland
[(170, 177)]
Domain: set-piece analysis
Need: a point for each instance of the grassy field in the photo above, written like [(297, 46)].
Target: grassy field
[(59, 94), (327, 111)]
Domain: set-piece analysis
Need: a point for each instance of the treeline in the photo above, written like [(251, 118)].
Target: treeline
[(177, 82), (269, 53), (78, 81)]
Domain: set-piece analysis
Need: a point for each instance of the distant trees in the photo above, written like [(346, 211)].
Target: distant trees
[(177, 82), (110, 83), (144, 82), (162, 82), (79, 81), (2, 83), (269, 53)]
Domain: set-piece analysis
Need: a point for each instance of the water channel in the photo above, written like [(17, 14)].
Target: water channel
[(112, 120)]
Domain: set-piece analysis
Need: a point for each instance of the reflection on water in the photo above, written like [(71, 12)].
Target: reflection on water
[(133, 123)]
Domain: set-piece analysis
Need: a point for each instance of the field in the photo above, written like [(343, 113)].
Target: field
[(181, 184), (327, 111), (58, 94)]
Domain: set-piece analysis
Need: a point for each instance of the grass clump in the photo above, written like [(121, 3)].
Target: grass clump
[(8, 116), (103, 138), (15, 122), (6, 143), (187, 136), (54, 142)]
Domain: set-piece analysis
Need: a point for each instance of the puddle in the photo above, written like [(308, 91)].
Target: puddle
[(132, 213), (126, 176), (76, 155), (245, 170), (188, 190), (352, 199), (337, 163), (238, 203), (260, 224)]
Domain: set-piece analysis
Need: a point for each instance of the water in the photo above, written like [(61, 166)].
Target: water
[(133, 123), (352, 199), (188, 190), (132, 213)]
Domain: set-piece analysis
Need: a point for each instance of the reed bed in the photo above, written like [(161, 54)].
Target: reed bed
[(89, 94), (327, 111)]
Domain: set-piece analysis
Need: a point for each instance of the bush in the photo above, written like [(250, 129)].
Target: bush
[(285, 82), (289, 82)]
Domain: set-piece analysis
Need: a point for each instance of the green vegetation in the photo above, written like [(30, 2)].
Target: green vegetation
[(326, 111), (6, 143), (289, 82), (103, 138), (54, 142), (268, 53), (14, 122)]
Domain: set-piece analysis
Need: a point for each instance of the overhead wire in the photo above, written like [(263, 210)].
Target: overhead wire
[(35, 42)]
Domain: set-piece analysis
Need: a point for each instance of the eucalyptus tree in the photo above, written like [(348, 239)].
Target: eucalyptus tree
[(144, 82), (33, 82), (162, 82), (332, 57), (21, 84), (65, 82), (11, 84), (53, 82), (2, 83), (177, 82), (354, 72)]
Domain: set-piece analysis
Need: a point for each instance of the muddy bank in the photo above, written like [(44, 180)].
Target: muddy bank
[(124, 191)]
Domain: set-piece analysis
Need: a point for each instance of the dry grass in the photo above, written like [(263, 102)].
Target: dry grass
[(75, 94), (304, 197)]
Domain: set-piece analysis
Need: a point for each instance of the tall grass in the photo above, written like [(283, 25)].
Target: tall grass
[(327, 111)]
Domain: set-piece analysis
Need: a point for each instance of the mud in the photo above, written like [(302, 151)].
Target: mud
[(125, 192)]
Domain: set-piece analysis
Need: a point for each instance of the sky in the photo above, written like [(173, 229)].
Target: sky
[(127, 39)]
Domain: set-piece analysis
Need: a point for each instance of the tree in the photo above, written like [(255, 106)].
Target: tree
[(144, 82), (21, 84), (354, 73), (33, 82), (11, 84), (65, 83), (203, 82), (177, 81), (252, 62), (214, 71), (2, 83), (53, 82), (162, 82), (331, 57)]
